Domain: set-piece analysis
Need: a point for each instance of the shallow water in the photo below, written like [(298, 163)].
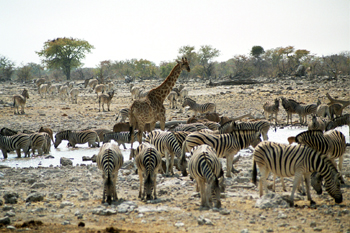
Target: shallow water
[(76, 154)]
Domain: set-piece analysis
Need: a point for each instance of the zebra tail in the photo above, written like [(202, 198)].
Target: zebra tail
[(255, 173), (148, 179), (98, 141)]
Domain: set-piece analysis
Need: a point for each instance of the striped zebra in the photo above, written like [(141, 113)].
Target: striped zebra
[(109, 160), (120, 137), (304, 110), (206, 169), (290, 106), (316, 123), (271, 109), (226, 145), (261, 126), (148, 161), (124, 113), (79, 137), (7, 132), (38, 141), (199, 108), (167, 145), (331, 143), (339, 121), (298, 161), (181, 136), (193, 127), (15, 142)]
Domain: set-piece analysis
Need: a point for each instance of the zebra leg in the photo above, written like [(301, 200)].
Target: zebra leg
[(307, 184), (124, 146), (204, 201), (262, 183), (172, 155), (4, 153), (18, 151), (155, 184), (283, 184), (167, 163), (297, 179), (229, 162), (141, 182), (340, 166)]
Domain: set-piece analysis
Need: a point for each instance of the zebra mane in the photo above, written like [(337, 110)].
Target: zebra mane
[(226, 123), (188, 98)]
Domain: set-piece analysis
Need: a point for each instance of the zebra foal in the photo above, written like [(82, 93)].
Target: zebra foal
[(124, 113), (199, 108), (109, 160), (271, 109), (295, 160), (20, 101), (206, 169), (15, 142), (166, 143), (226, 145), (148, 161), (79, 137), (120, 137)]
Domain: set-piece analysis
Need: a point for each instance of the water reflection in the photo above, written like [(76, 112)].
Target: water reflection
[(76, 154)]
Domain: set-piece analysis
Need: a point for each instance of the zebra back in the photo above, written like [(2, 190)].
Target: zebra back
[(109, 160), (205, 167), (164, 141), (181, 136), (7, 132), (148, 161)]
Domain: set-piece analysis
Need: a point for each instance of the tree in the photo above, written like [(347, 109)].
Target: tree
[(64, 53), (257, 51), (24, 73), (6, 68), (206, 55)]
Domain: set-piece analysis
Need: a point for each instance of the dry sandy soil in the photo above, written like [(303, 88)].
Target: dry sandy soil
[(179, 204)]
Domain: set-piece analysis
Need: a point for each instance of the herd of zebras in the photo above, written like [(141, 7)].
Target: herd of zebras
[(311, 159)]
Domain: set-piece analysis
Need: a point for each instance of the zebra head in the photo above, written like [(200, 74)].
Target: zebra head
[(148, 186), (183, 165), (316, 182), (63, 135), (215, 192)]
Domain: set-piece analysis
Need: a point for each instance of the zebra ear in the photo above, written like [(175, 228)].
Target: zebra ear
[(292, 139)]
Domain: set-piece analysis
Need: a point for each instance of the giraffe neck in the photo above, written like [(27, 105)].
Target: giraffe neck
[(163, 90)]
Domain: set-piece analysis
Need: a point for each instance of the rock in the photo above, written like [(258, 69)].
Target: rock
[(38, 185), (93, 158), (86, 158), (11, 198), (5, 221), (66, 203), (204, 221), (35, 197), (65, 161), (271, 200)]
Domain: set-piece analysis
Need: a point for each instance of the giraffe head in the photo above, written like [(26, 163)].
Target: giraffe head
[(184, 64)]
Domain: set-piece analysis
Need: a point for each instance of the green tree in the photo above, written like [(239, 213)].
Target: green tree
[(165, 69), (257, 51), (64, 53), (206, 55), (24, 73), (7, 67)]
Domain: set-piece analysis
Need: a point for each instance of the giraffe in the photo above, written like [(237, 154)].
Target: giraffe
[(150, 109)]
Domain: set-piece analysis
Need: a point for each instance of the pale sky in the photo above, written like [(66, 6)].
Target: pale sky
[(155, 30)]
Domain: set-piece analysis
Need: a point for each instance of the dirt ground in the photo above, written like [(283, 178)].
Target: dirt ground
[(239, 213)]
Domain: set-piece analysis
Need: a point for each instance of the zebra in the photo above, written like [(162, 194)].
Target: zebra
[(20, 101), (166, 143), (173, 95), (124, 113), (7, 132), (331, 143), (304, 110), (322, 110), (199, 108), (205, 167), (100, 132), (109, 160), (295, 160), (148, 161), (270, 109), (316, 123), (74, 92), (15, 142), (100, 88), (261, 126), (339, 121), (39, 142), (79, 137), (181, 136), (103, 98), (226, 145), (120, 137), (290, 106), (193, 127)]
